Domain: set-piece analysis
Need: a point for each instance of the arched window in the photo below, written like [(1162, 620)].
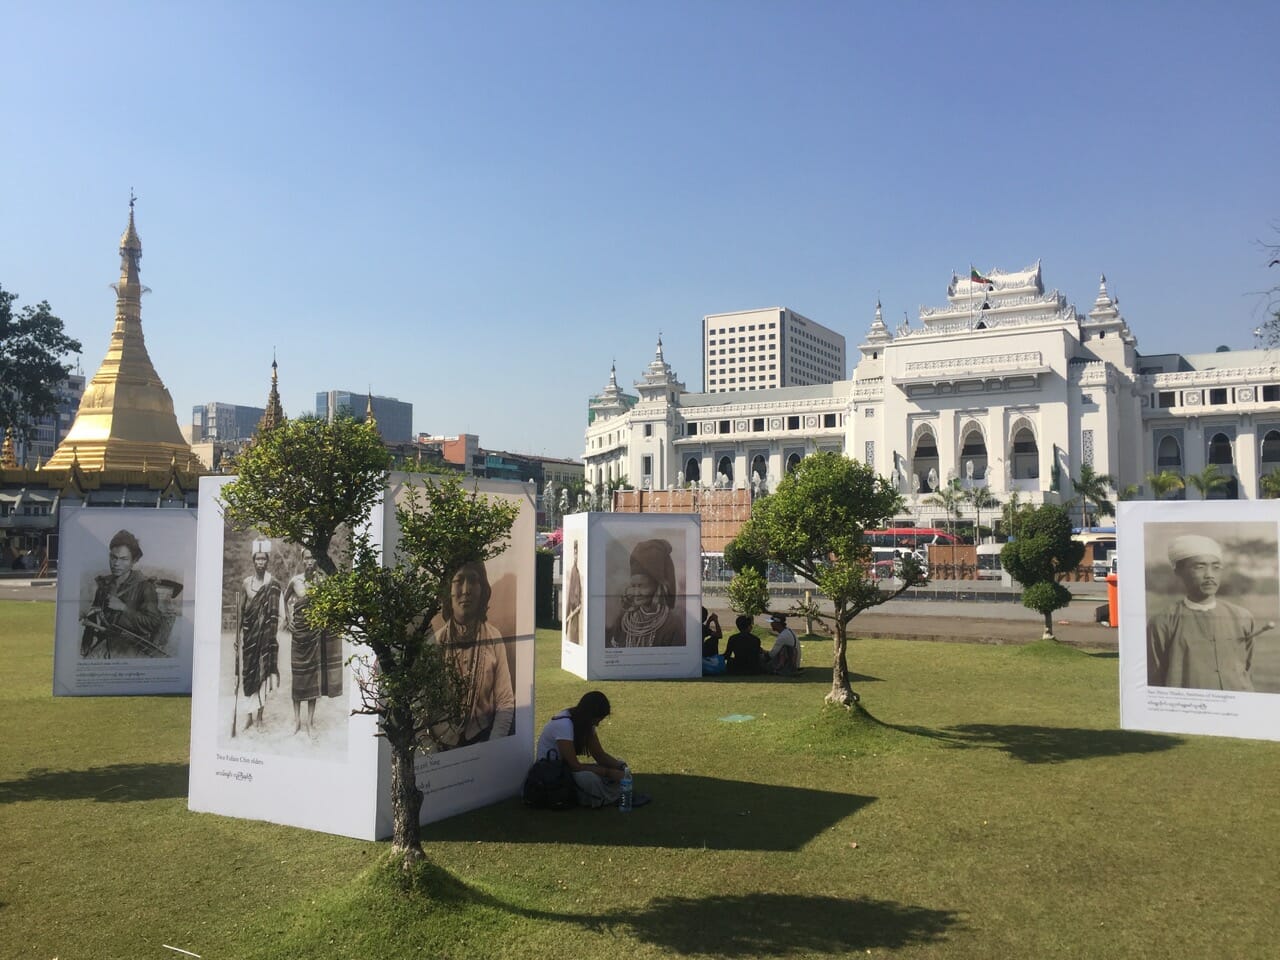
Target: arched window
[(924, 459), (725, 469), (759, 467), (1271, 447), (793, 461), (693, 470), (973, 450), (1025, 455), (1169, 455), (1220, 450)]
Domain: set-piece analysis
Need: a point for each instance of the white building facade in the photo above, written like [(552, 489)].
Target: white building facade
[(771, 347), (1006, 386)]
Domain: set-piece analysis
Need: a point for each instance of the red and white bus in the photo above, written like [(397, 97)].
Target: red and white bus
[(913, 538)]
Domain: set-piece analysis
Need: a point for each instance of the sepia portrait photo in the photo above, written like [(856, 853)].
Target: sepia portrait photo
[(645, 603), (1212, 605), (574, 570)]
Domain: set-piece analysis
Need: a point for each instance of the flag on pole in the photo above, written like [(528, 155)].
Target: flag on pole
[(976, 277)]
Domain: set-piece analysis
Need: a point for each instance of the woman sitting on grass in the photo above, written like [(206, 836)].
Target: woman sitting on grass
[(572, 733)]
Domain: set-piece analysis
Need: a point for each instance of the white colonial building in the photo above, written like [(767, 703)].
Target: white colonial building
[(1005, 386)]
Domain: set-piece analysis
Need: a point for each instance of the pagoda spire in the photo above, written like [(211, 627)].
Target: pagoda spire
[(126, 418), (273, 416)]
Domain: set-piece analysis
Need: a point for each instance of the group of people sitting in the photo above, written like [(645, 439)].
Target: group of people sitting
[(744, 654)]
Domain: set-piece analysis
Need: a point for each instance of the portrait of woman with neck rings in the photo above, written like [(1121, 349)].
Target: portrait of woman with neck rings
[(482, 658), (649, 613)]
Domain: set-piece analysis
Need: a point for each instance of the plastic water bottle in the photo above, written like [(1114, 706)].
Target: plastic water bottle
[(624, 801)]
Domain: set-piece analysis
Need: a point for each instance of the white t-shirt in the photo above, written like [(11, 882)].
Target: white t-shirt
[(559, 727), (786, 638)]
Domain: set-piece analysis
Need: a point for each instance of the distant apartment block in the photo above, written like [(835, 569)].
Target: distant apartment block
[(214, 422), (49, 430), (394, 417), (770, 347)]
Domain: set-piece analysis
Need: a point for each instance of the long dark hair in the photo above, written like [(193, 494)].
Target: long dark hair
[(591, 709)]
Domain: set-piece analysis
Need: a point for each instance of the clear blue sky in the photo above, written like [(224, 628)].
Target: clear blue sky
[(476, 206)]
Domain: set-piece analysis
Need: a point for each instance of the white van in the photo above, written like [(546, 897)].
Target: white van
[(989, 561)]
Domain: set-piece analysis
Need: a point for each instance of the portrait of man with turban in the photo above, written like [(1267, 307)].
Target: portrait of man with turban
[(649, 616), (1201, 641)]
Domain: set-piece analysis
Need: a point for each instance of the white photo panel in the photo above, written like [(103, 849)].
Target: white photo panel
[(125, 603), (1199, 586), (488, 620)]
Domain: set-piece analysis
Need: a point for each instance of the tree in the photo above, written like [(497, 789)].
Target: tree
[(1270, 485), (1043, 551), (1164, 483), (410, 683), (32, 345), (1207, 480), (1013, 512), (982, 499), (304, 479), (1130, 491), (813, 525), (949, 498), (1094, 488), (1269, 332)]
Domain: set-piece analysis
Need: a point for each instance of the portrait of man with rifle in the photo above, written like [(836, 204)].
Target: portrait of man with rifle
[(124, 619)]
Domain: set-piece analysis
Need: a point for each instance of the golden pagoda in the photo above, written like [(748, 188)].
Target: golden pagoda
[(126, 420), (273, 416)]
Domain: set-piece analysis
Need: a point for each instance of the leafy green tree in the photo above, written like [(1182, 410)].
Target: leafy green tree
[(1094, 488), (304, 479), (1207, 480), (1042, 552), (749, 592), (813, 525), (1130, 491), (1270, 485), (1164, 483), (387, 608), (32, 345), (950, 498)]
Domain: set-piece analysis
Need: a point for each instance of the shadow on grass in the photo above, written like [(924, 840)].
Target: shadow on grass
[(1104, 654), (725, 925), (687, 811), (120, 783), (776, 924), (804, 675), (1032, 744)]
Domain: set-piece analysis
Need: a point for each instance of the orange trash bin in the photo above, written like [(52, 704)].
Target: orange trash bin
[(1113, 599)]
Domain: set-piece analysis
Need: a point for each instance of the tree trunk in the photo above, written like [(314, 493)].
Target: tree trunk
[(841, 692), (1048, 626), (406, 798)]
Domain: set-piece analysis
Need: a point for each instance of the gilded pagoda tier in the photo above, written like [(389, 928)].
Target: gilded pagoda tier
[(126, 419)]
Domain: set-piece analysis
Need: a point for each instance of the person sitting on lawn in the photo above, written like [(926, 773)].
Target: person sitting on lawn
[(711, 634), (572, 733), (785, 655), (742, 654)]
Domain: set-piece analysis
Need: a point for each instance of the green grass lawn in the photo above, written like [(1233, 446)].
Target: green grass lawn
[(986, 806)]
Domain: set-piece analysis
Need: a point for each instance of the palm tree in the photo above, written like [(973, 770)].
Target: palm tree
[(1164, 483), (1270, 485), (982, 499), (1208, 480), (1131, 491), (1093, 488), (949, 498), (1012, 513)]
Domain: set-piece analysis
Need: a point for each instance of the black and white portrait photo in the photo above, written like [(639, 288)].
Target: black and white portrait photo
[(282, 678), (646, 603), (573, 595), (1213, 602), (131, 614), (125, 619)]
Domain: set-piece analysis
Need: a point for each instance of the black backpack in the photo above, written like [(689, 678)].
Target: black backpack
[(549, 786)]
